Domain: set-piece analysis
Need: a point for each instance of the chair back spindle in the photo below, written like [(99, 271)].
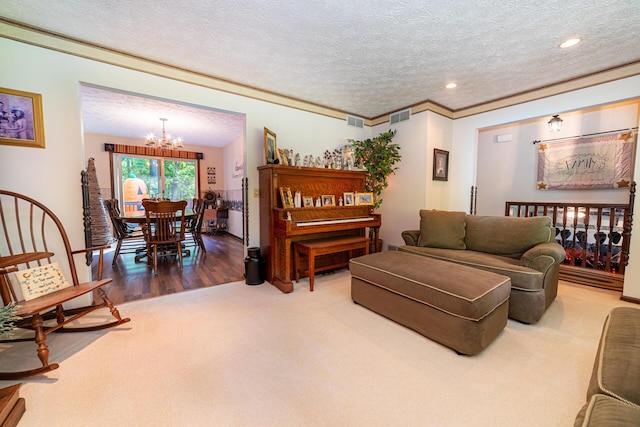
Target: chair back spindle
[(165, 226), (31, 236)]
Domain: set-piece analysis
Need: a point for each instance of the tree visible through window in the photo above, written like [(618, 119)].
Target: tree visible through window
[(154, 177)]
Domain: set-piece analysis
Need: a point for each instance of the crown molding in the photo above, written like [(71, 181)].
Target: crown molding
[(39, 37), (57, 42), (624, 71)]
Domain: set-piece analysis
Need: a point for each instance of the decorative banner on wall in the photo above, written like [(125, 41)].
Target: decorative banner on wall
[(597, 162)]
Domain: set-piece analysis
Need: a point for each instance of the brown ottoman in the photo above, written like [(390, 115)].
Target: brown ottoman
[(460, 307)]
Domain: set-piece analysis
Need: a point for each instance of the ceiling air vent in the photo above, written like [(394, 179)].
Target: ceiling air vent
[(355, 121), (400, 116)]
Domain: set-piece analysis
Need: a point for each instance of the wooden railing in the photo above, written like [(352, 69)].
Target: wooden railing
[(595, 236)]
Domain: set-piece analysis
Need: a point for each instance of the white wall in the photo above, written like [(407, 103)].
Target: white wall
[(465, 146), (52, 175), (233, 175), (508, 171), (412, 188)]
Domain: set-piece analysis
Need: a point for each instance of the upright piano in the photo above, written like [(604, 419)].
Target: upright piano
[(280, 226)]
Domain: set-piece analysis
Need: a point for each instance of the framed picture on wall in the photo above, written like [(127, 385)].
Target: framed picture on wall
[(270, 147), (211, 179), (21, 118), (440, 165), (211, 170)]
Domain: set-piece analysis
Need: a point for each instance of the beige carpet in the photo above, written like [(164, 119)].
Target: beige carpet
[(239, 355)]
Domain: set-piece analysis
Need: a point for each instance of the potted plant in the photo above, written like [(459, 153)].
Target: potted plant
[(379, 156), (7, 319)]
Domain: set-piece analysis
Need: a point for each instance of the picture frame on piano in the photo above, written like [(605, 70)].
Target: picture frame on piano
[(307, 201), (287, 198), (282, 157), (328, 200), (364, 199), (348, 199)]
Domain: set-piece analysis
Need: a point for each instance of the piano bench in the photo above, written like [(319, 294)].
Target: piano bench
[(329, 245)]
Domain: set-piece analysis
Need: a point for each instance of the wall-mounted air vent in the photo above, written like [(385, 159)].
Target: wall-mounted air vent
[(503, 138), (400, 116), (355, 122)]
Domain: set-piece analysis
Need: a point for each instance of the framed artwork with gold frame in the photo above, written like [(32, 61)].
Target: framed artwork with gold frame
[(270, 147), (307, 201), (348, 199), (328, 200), (21, 121), (287, 198), (364, 199)]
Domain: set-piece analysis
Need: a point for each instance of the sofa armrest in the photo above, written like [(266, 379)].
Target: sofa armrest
[(543, 256), (411, 237)]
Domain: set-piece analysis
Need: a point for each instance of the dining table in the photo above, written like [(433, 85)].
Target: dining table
[(139, 217)]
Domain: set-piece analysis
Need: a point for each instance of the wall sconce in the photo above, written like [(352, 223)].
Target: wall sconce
[(555, 124)]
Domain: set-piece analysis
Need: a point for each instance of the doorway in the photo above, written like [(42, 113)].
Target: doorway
[(215, 141)]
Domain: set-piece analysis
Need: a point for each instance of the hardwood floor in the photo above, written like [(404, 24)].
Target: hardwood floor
[(223, 263)]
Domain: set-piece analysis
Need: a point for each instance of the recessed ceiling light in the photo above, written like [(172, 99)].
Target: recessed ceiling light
[(451, 85), (570, 42)]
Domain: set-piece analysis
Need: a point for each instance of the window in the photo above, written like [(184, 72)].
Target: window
[(142, 177)]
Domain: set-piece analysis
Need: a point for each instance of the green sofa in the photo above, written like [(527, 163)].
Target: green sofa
[(522, 249), (613, 395)]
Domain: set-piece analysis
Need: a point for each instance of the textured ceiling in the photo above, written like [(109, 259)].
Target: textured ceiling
[(365, 57), (110, 112)]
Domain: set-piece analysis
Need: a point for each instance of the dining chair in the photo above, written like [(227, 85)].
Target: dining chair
[(130, 239), (194, 225), (164, 229)]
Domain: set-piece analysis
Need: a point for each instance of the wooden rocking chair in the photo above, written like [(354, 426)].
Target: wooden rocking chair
[(33, 236)]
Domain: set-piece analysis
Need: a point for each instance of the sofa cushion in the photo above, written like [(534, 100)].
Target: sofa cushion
[(442, 229), (606, 411), (617, 368), (506, 236), (522, 278)]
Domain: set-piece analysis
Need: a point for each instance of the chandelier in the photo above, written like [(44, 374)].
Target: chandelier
[(164, 143)]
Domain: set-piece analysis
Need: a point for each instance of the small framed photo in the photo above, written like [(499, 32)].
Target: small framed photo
[(21, 119), (211, 179), (364, 199), (307, 201), (440, 165), (328, 200), (211, 170), (282, 157), (348, 199), (287, 199), (270, 147)]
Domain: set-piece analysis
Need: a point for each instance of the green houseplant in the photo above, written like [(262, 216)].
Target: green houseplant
[(379, 156), (7, 319)]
